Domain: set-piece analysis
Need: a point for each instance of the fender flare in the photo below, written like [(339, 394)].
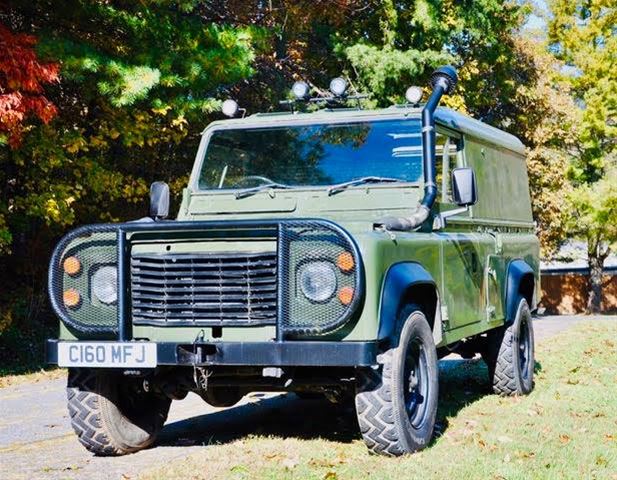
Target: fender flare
[(518, 273), (399, 282)]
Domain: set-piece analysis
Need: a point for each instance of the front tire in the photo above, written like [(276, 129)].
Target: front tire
[(111, 414), (396, 404), (510, 354)]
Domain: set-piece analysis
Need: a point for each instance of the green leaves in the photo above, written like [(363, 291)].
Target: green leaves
[(582, 34), (383, 71)]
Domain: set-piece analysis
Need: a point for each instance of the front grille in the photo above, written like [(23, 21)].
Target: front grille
[(204, 289)]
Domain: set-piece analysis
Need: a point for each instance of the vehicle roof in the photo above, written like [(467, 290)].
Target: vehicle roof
[(443, 116)]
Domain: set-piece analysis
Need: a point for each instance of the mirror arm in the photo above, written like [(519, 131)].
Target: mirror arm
[(439, 222)]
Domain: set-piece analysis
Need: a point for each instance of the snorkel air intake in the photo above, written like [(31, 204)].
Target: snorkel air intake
[(443, 81)]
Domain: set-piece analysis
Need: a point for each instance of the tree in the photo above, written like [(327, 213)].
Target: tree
[(22, 77), (594, 208), (506, 79), (583, 35), (139, 80)]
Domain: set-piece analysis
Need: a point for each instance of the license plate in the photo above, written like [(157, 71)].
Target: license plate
[(107, 354)]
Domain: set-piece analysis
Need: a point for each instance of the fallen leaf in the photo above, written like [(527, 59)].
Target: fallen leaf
[(523, 454), (330, 475), (563, 438)]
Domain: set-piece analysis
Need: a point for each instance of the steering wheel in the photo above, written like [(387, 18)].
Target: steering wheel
[(248, 178)]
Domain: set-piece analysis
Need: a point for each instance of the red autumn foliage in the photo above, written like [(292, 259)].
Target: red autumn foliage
[(22, 76)]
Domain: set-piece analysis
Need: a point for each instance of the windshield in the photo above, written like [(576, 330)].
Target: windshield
[(312, 155)]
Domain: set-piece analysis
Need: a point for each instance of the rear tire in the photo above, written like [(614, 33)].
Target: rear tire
[(396, 404), (112, 415), (510, 354)]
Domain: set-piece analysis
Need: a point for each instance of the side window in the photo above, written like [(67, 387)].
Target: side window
[(449, 155)]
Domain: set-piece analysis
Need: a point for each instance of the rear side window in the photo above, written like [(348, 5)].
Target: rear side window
[(449, 155)]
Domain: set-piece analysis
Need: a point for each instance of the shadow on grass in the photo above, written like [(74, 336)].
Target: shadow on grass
[(461, 382)]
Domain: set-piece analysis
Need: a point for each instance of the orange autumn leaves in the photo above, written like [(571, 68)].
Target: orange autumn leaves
[(22, 76)]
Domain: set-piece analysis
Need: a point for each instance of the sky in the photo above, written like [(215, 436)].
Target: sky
[(536, 21)]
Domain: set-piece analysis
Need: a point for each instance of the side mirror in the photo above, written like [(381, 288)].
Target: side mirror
[(464, 189), (159, 200)]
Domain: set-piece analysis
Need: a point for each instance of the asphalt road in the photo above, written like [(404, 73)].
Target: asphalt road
[(36, 439)]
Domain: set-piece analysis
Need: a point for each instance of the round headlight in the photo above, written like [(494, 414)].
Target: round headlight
[(300, 90), (338, 86), (413, 95), (318, 281), (230, 107), (105, 284)]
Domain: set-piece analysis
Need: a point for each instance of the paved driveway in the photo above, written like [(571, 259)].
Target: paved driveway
[(36, 439)]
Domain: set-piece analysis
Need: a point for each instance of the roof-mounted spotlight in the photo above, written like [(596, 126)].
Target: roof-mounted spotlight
[(300, 90), (338, 86), (230, 107), (413, 95)]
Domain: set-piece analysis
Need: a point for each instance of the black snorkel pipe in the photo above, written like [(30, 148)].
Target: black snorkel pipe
[(443, 81)]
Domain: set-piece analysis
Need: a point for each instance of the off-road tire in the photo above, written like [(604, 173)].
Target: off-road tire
[(103, 422), (510, 354), (381, 401)]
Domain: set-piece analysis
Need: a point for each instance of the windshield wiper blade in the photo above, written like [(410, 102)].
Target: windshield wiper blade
[(360, 181), (247, 192)]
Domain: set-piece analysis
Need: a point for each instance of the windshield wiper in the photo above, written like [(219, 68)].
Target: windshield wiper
[(247, 192), (360, 181)]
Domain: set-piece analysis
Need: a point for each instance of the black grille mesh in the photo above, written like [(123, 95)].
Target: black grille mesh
[(231, 287), (94, 248), (304, 243)]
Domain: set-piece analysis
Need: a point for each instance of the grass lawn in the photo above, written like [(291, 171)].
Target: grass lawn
[(567, 428)]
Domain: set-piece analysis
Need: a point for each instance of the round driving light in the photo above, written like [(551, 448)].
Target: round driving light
[(72, 266), (300, 90), (105, 284), (345, 295), (318, 281), (413, 95), (345, 262), (71, 298), (338, 86), (230, 107)]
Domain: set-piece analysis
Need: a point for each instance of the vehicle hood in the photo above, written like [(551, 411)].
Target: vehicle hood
[(368, 203)]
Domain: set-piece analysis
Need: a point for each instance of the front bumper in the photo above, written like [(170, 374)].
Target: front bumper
[(266, 354)]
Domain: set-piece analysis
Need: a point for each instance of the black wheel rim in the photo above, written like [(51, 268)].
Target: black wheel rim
[(524, 348), (416, 384)]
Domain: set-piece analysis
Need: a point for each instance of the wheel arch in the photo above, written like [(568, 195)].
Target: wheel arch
[(405, 283), (520, 281)]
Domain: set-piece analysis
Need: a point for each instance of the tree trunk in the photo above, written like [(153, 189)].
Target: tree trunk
[(596, 258)]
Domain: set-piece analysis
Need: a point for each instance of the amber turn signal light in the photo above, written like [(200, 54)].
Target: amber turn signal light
[(345, 262), (71, 298), (345, 295), (72, 266)]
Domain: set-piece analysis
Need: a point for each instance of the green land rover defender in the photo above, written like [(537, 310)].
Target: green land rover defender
[(330, 251)]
